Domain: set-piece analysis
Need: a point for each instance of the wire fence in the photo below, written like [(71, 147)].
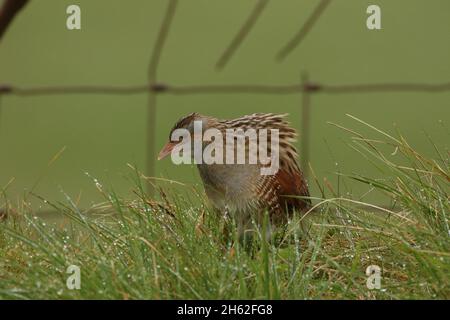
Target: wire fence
[(154, 88)]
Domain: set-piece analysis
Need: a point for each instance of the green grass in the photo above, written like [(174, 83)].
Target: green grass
[(167, 247)]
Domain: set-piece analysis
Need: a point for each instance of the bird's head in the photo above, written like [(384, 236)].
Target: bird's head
[(187, 123)]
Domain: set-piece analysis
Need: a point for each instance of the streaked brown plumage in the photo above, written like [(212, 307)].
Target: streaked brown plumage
[(240, 189)]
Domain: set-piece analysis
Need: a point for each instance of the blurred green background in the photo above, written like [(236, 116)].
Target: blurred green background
[(102, 133)]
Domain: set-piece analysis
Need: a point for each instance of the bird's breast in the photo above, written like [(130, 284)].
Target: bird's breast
[(233, 186)]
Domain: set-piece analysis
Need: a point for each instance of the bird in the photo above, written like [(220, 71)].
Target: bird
[(240, 191)]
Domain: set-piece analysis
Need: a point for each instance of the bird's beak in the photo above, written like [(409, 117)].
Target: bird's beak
[(166, 150)]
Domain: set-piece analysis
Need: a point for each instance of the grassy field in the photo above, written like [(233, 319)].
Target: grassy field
[(167, 247)]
